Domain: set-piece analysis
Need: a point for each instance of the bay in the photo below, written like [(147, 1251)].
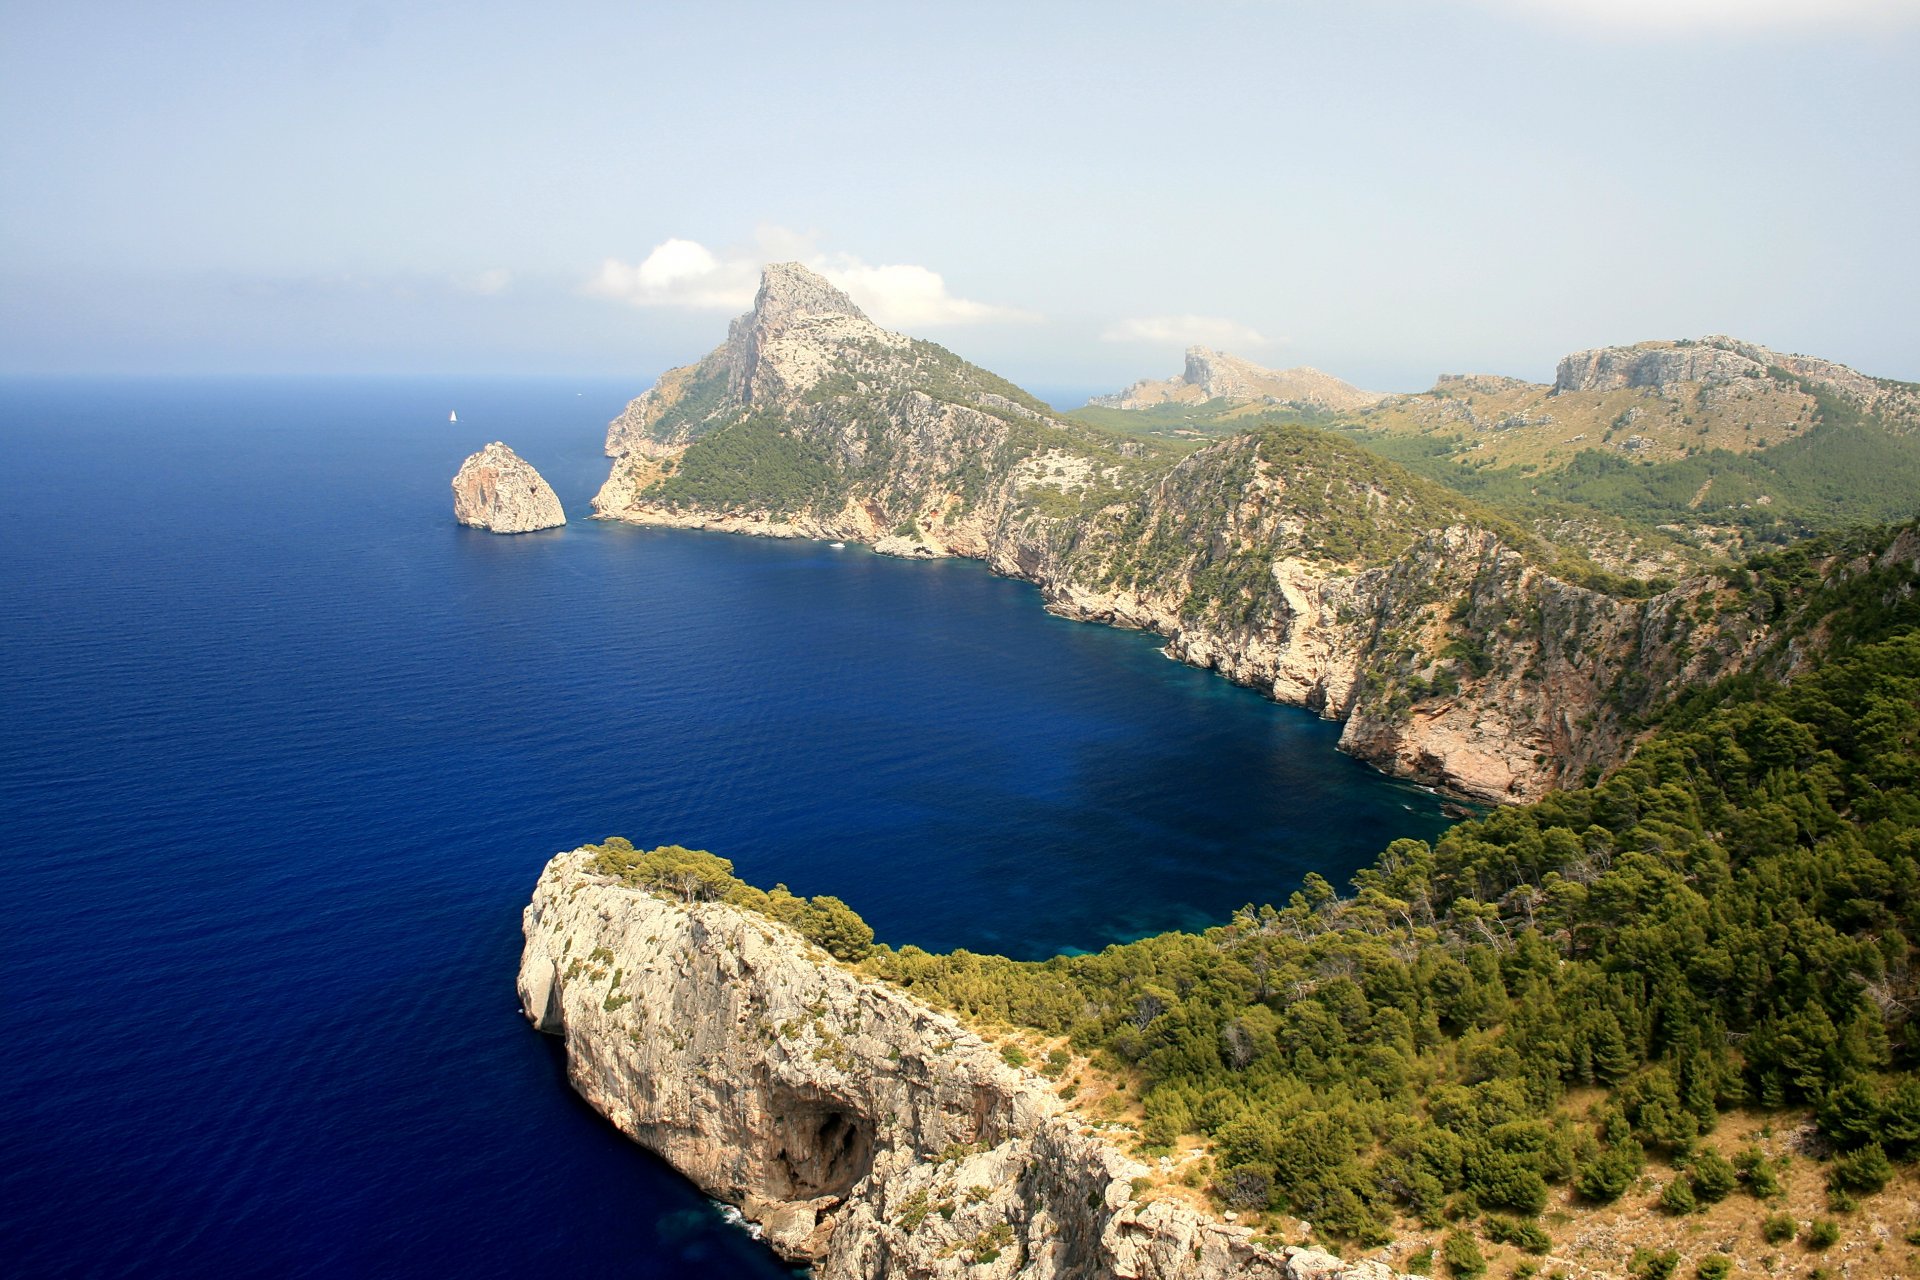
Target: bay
[(282, 750)]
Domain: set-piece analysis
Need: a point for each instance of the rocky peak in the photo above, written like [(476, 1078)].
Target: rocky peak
[(1200, 366), (1659, 365), (789, 289), (499, 491), (793, 302)]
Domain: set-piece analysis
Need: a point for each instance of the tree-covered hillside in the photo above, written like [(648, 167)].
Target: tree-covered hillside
[(1559, 1004), (1728, 921)]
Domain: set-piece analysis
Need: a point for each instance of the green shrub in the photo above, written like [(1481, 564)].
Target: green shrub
[(1677, 1198), (1526, 1235), (1860, 1172), (1779, 1228), (1462, 1256), (695, 875), (1757, 1172), (1650, 1264), (1606, 1178), (1715, 1266), (1821, 1233), (1714, 1177)]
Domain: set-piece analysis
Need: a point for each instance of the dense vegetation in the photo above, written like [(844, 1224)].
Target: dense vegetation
[(1730, 920), (843, 437), (694, 875), (1544, 997)]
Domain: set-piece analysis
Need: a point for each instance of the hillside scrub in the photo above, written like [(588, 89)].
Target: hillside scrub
[(1728, 921)]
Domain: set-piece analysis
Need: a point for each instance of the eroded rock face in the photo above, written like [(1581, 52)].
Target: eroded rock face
[(865, 1132), (497, 490), (1711, 360)]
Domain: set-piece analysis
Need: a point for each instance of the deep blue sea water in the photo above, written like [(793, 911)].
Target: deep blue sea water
[(282, 750)]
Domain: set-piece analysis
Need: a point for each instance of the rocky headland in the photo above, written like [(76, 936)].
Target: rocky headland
[(497, 490), (865, 1132), (1215, 375), (1457, 648)]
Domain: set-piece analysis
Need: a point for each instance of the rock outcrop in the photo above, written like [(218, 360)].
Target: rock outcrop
[(866, 1133), (1713, 360), (1215, 375), (497, 490)]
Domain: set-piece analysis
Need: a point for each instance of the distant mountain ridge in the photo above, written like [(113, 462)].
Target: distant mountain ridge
[(1215, 375), (1715, 359), (1723, 441)]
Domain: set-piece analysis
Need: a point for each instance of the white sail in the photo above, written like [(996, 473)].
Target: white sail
[(453, 416)]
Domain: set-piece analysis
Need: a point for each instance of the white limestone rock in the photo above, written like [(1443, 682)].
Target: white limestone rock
[(497, 490), (836, 1110)]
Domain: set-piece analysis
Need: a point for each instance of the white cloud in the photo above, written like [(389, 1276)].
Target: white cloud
[(685, 273), (1184, 331), (1721, 15), (904, 295), (678, 273)]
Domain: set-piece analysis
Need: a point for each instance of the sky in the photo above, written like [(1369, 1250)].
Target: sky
[(1069, 194)]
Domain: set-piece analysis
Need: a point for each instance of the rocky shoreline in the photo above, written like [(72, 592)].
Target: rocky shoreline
[(867, 1134)]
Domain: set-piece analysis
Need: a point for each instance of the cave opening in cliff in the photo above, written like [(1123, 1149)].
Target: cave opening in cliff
[(821, 1149)]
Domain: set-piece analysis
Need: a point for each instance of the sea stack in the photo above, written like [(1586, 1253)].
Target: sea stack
[(497, 490)]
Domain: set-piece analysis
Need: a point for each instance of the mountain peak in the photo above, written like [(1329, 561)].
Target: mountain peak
[(790, 289)]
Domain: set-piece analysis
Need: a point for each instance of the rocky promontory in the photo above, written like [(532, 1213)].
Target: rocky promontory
[(865, 1132), (497, 490), (1458, 647), (1215, 375)]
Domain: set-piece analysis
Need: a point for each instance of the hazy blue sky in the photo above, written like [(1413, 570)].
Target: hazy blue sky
[(1066, 193)]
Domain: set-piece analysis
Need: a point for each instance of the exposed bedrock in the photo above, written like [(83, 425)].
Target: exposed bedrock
[(867, 1133)]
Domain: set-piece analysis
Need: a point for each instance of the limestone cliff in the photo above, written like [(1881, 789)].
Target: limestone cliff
[(866, 1133), (1459, 649), (495, 489), (1715, 359), (1215, 375)]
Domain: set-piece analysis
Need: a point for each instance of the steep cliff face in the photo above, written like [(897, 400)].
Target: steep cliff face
[(495, 489), (865, 1132), (1453, 658), (1283, 558), (1215, 375), (1712, 360)]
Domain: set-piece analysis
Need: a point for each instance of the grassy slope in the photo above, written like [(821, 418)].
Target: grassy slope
[(1814, 462)]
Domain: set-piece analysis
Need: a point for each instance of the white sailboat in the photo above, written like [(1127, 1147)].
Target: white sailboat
[(453, 416)]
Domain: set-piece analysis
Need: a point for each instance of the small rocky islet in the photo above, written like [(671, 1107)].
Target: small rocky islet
[(499, 491)]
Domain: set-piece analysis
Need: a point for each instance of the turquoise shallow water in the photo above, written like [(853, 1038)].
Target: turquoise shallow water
[(285, 748)]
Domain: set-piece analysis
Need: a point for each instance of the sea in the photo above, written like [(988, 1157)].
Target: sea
[(283, 750)]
